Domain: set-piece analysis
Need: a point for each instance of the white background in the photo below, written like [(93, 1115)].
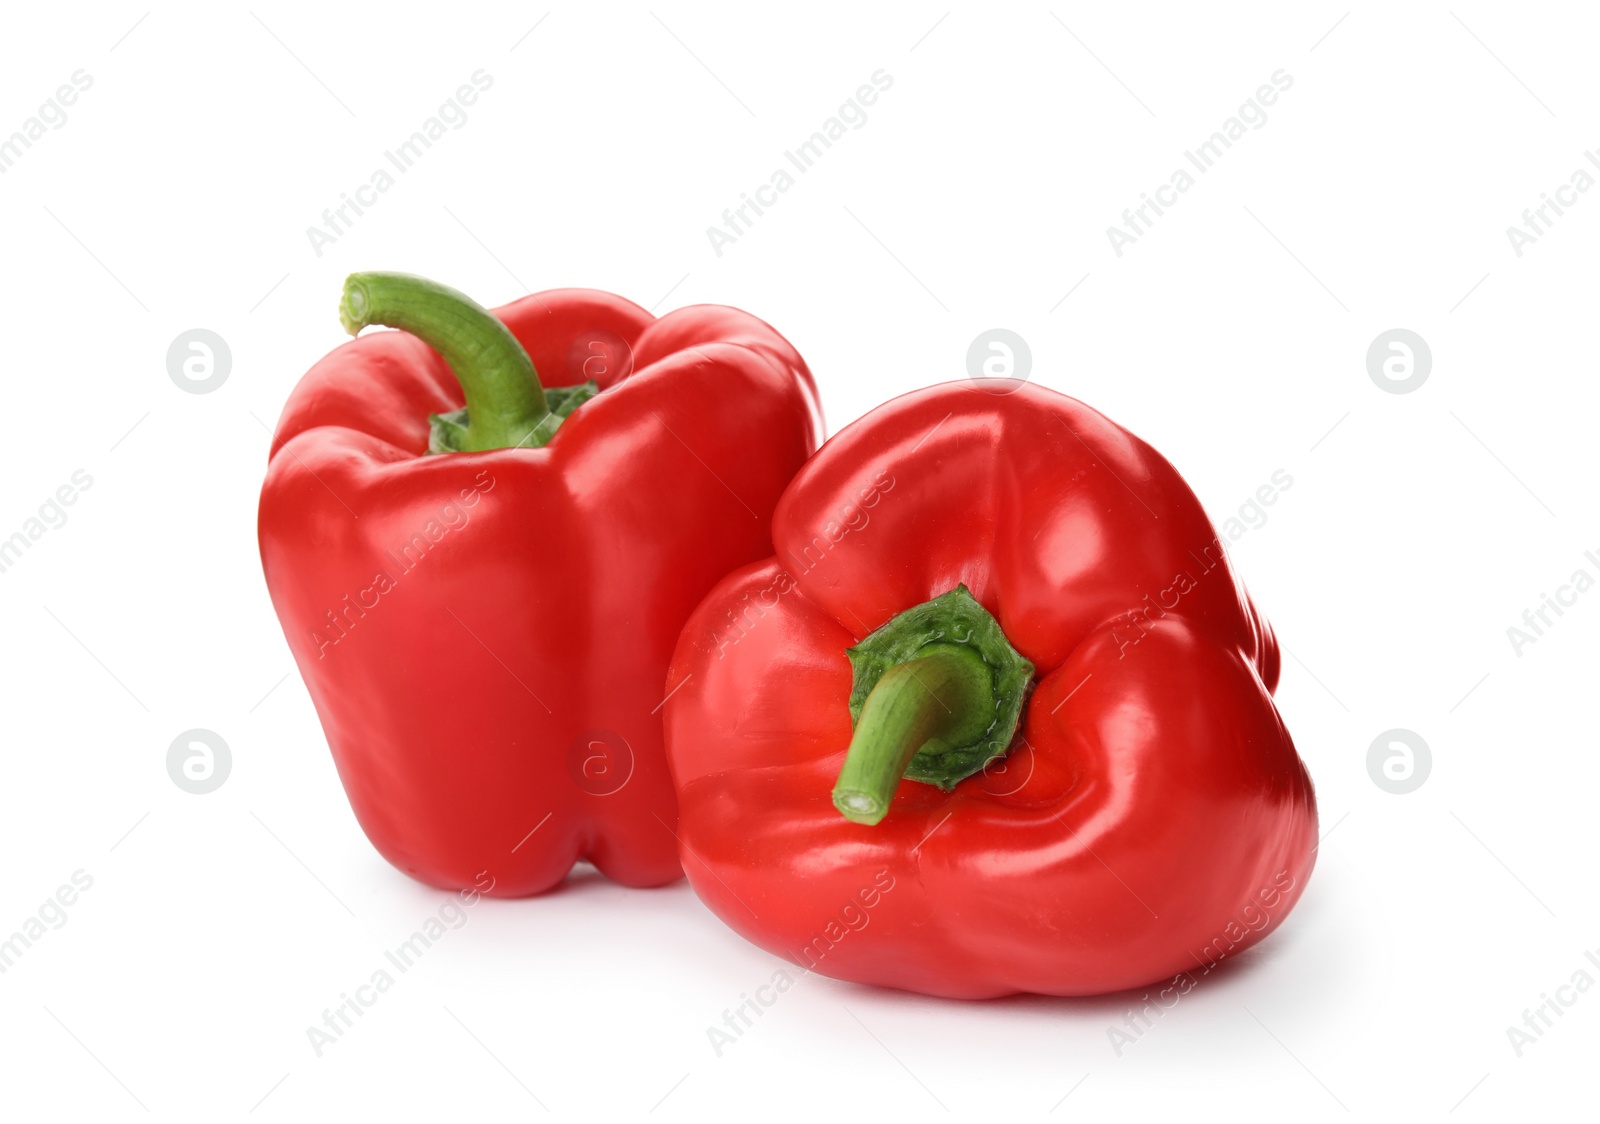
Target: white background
[(1233, 337)]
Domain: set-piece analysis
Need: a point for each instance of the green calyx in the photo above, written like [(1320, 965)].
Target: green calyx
[(507, 407), (449, 433), (938, 694)]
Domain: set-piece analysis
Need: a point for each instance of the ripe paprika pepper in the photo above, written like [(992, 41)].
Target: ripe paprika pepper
[(485, 631), (996, 718)]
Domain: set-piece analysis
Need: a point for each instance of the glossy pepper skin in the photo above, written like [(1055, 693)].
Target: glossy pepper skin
[(486, 634), (1152, 816)]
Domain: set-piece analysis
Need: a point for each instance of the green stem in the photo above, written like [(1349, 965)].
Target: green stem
[(506, 404), (944, 697)]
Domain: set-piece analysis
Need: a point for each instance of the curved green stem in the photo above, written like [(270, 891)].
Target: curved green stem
[(980, 718), (506, 404), (944, 697)]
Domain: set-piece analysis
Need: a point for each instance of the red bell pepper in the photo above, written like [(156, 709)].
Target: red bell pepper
[(997, 718), (485, 632)]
